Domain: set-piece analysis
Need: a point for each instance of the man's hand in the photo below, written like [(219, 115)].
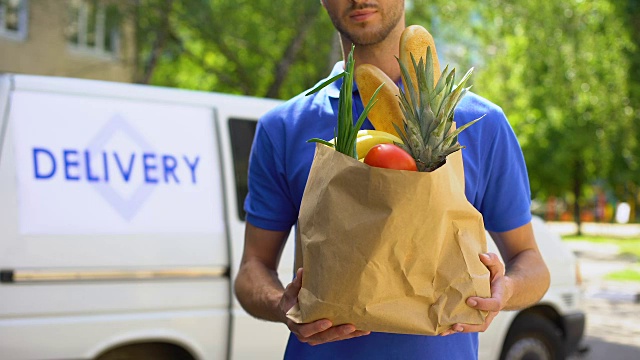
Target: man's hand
[(501, 292), (261, 294), (318, 332)]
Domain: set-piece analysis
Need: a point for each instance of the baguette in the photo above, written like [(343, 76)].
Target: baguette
[(415, 40), (386, 111)]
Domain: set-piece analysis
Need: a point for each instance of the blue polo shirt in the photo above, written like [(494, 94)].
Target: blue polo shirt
[(496, 183)]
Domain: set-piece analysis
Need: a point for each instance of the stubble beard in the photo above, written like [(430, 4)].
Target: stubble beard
[(370, 37)]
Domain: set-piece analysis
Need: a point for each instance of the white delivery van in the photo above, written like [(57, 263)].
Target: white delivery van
[(121, 230)]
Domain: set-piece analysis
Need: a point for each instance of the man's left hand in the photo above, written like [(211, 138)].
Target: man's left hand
[(501, 292)]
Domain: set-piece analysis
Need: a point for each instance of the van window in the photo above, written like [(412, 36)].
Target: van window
[(242, 132)]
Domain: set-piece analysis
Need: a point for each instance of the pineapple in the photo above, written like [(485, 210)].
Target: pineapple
[(428, 133)]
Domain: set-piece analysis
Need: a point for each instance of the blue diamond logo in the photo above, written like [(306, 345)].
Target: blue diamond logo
[(127, 206)]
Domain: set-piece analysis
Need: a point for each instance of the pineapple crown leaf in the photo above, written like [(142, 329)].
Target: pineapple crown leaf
[(401, 133), (452, 138), (424, 87), (443, 88), (408, 88), (428, 108), (429, 70), (441, 81), (406, 109)]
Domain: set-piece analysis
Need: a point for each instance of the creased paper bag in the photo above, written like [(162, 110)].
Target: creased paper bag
[(388, 250)]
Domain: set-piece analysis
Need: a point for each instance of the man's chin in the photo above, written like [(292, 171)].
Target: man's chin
[(365, 38)]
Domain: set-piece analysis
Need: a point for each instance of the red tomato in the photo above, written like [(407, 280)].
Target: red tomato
[(390, 156)]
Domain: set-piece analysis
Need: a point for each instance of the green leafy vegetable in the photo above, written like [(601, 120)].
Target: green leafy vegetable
[(346, 133)]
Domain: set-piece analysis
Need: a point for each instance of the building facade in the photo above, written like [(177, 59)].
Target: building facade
[(91, 39)]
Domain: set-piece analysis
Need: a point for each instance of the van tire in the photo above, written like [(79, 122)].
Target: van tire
[(155, 351), (532, 336)]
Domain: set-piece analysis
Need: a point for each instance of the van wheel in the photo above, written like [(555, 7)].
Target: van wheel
[(155, 351), (533, 337)]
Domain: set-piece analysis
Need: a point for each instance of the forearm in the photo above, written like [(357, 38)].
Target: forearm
[(528, 279), (259, 290)]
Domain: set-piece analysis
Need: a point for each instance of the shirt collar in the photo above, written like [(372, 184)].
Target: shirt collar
[(333, 90)]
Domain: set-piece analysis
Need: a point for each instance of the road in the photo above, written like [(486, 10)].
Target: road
[(613, 308)]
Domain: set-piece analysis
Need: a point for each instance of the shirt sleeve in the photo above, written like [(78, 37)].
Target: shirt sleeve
[(268, 203), (506, 203)]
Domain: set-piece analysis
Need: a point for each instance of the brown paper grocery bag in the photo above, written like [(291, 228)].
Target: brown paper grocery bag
[(388, 250)]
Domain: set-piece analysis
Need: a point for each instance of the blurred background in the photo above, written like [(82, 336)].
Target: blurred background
[(566, 73)]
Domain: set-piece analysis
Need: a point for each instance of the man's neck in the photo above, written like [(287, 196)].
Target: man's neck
[(383, 54)]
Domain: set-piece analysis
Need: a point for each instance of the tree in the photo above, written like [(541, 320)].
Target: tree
[(559, 69), (565, 73), (258, 48), (457, 27), (624, 175)]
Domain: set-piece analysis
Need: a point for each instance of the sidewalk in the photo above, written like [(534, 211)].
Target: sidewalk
[(596, 229), (596, 260), (612, 307)]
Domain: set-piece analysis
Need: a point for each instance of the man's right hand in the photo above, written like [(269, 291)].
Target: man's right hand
[(260, 292), (318, 332)]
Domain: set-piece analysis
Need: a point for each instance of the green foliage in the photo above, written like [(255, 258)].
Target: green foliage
[(559, 70), (624, 172), (629, 274), (346, 132), (258, 48), (567, 73), (428, 112), (456, 27)]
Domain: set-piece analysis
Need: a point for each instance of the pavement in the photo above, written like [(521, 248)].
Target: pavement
[(612, 307), (596, 229)]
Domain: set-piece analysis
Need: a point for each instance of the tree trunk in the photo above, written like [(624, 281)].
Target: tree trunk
[(135, 13), (158, 45), (282, 68), (577, 194), (633, 203)]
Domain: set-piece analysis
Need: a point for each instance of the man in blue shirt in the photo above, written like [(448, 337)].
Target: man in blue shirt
[(495, 183)]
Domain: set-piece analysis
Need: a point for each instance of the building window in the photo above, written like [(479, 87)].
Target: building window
[(94, 27), (14, 16)]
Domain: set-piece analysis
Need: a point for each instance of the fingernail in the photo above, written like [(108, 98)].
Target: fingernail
[(472, 302), (458, 328), (325, 325), (486, 256)]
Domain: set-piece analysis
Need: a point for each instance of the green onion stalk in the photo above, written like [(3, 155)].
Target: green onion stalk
[(346, 133)]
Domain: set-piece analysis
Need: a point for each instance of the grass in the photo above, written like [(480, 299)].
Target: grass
[(629, 274), (627, 247)]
